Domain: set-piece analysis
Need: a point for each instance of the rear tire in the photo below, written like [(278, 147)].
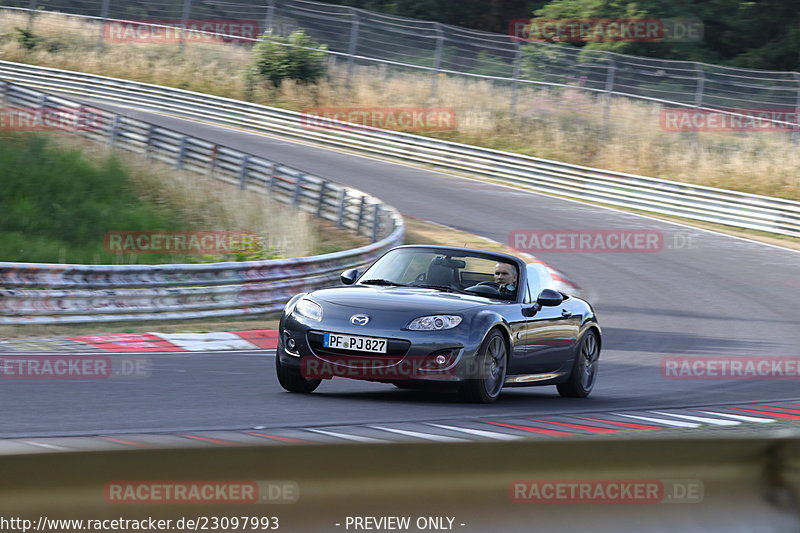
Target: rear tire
[(292, 381), (584, 369), (492, 362)]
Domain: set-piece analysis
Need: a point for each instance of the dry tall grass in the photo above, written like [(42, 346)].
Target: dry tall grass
[(563, 124)]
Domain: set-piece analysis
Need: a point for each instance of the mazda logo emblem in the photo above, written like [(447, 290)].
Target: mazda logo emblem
[(359, 320)]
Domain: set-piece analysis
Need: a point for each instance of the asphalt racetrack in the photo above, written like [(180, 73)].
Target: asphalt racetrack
[(703, 294)]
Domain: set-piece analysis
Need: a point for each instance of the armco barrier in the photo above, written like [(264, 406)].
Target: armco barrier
[(43, 293), (709, 204), (727, 484)]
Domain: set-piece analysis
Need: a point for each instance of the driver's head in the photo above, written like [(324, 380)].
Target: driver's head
[(504, 274)]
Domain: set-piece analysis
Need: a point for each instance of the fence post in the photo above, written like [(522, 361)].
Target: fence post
[(149, 140), (4, 90), (181, 153), (270, 16), (360, 214), (698, 96), (342, 208), (243, 171), (351, 51), (213, 156), (103, 17), (31, 14), (515, 75), (187, 9), (112, 135), (609, 90), (272, 173), (298, 188), (321, 203), (376, 222), (796, 129), (437, 58)]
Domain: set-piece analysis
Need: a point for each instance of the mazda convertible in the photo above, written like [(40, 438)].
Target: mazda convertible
[(424, 315)]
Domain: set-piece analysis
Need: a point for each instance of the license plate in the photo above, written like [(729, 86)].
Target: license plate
[(351, 342)]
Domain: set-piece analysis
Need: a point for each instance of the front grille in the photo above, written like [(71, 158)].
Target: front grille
[(396, 349)]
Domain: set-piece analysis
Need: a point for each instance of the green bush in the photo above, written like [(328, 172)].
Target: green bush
[(297, 58)]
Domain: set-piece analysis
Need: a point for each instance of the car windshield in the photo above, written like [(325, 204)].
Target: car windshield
[(444, 270)]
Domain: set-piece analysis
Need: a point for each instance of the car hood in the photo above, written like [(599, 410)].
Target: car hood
[(398, 299)]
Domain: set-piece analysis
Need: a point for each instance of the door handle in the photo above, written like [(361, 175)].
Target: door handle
[(565, 313)]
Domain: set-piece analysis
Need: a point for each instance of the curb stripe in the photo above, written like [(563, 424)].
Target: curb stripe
[(480, 432), (44, 445), (701, 419), (629, 425), (213, 441), (796, 411), (673, 423), (426, 436), (593, 429), (767, 413), (276, 437), (128, 442), (551, 432), (741, 417), (345, 436)]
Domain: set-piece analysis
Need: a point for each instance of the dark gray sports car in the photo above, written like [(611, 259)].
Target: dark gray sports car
[(477, 319)]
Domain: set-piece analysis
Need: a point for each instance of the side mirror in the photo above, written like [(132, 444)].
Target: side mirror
[(349, 277), (549, 298)]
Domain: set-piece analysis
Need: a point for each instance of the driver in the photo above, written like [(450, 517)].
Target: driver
[(505, 275)]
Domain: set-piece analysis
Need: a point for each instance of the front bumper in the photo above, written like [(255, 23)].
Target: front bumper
[(411, 355)]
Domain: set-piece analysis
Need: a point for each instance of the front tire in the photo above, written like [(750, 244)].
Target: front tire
[(584, 369), (492, 359), (291, 380)]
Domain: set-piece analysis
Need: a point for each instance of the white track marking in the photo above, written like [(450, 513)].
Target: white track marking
[(426, 436), (701, 419), (480, 432), (741, 417), (43, 445), (674, 423), (356, 438)]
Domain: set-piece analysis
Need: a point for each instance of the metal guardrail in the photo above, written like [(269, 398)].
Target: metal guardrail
[(709, 204), (92, 293), (710, 484)]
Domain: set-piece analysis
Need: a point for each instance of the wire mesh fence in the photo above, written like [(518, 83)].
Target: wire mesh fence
[(361, 37)]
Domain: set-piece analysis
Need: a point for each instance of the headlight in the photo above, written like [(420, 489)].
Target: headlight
[(434, 322), (309, 309)]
